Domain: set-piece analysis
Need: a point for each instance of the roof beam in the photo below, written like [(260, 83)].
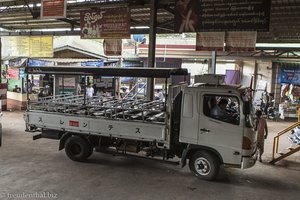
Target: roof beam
[(73, 23)]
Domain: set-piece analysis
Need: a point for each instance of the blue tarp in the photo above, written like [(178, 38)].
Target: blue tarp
[(39, 63)]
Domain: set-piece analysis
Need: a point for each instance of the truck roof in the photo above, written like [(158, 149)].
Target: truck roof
[(221, 86)]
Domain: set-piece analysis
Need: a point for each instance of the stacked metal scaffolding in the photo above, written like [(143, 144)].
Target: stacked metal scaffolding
[(105, 107)]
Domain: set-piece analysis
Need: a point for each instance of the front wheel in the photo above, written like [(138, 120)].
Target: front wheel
[(77, 148), (204, 165)]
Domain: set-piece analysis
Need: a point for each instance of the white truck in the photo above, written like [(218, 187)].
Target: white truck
[(181, 128)]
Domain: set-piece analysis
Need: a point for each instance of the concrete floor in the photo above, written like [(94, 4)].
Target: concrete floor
[(28, 166)]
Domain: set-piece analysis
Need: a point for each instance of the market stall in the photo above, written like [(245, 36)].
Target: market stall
[(17, 84), (289, 80)]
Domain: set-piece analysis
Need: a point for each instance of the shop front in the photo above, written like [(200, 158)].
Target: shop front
[(289, 83), (17, 87)]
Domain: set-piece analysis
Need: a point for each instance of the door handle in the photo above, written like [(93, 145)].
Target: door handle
[(204, 130)]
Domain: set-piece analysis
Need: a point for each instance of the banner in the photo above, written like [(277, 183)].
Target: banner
[(99, 63), (41, 46), (22, 73), (289, 75), (28, 46), (53, 9), (220, 15), (240, 41), (105, 23), (39, 63), (210, 41), (15, 46), (112, 47), (13, 73), (232, 77)]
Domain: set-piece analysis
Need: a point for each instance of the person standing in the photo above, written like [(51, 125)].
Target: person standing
[(89, 91), (28, 87), (159, 95), (262, 133), (78, 89)]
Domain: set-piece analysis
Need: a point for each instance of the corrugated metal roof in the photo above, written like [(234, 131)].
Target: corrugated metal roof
[(15, 15)]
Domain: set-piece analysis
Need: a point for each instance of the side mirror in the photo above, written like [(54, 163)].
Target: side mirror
[(246, 108)]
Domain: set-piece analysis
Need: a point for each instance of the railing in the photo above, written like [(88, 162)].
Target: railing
[(277, 137)]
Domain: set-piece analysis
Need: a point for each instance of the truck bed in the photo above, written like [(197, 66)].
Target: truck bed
[(111, 117)]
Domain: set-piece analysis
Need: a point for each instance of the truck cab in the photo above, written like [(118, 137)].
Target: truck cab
[(213, 140)]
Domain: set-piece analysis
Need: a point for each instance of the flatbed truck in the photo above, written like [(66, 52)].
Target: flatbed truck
[(180, 128)]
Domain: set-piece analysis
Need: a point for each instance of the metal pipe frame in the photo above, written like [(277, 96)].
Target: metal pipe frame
[(104, 107)]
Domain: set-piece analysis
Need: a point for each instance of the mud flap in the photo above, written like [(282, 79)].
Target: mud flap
[(63, 140), (184, 154)]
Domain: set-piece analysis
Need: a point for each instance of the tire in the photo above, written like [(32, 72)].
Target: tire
[(78, 149), (204, 165), (90, 152)]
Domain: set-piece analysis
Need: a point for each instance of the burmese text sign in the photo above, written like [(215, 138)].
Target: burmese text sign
[(105, 23)]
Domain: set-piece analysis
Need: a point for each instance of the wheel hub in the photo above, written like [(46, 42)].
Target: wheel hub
[(202, 166), (75, 149)]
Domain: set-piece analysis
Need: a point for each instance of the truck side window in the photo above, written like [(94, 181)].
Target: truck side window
[(223, 108), (188, 105)]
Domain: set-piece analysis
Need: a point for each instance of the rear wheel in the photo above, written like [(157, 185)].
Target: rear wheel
[(204, 165), (78, 149), (90, 152)]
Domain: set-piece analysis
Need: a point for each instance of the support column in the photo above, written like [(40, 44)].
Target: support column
[(255, 75), (151, 50), (0, 59), (212, 63)]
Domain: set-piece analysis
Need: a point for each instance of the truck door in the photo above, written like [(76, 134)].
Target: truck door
[(189, 118), (223, 133)]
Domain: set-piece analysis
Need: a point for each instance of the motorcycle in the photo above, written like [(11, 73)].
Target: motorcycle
[(272, 111)]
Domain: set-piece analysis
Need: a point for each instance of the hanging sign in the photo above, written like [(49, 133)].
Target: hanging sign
[(240, 41), (210, 41), (112, 47), (41, 46), (16, 46), (28, 46), (53, 9), (220, 15), (289, 75), (105, 23)]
